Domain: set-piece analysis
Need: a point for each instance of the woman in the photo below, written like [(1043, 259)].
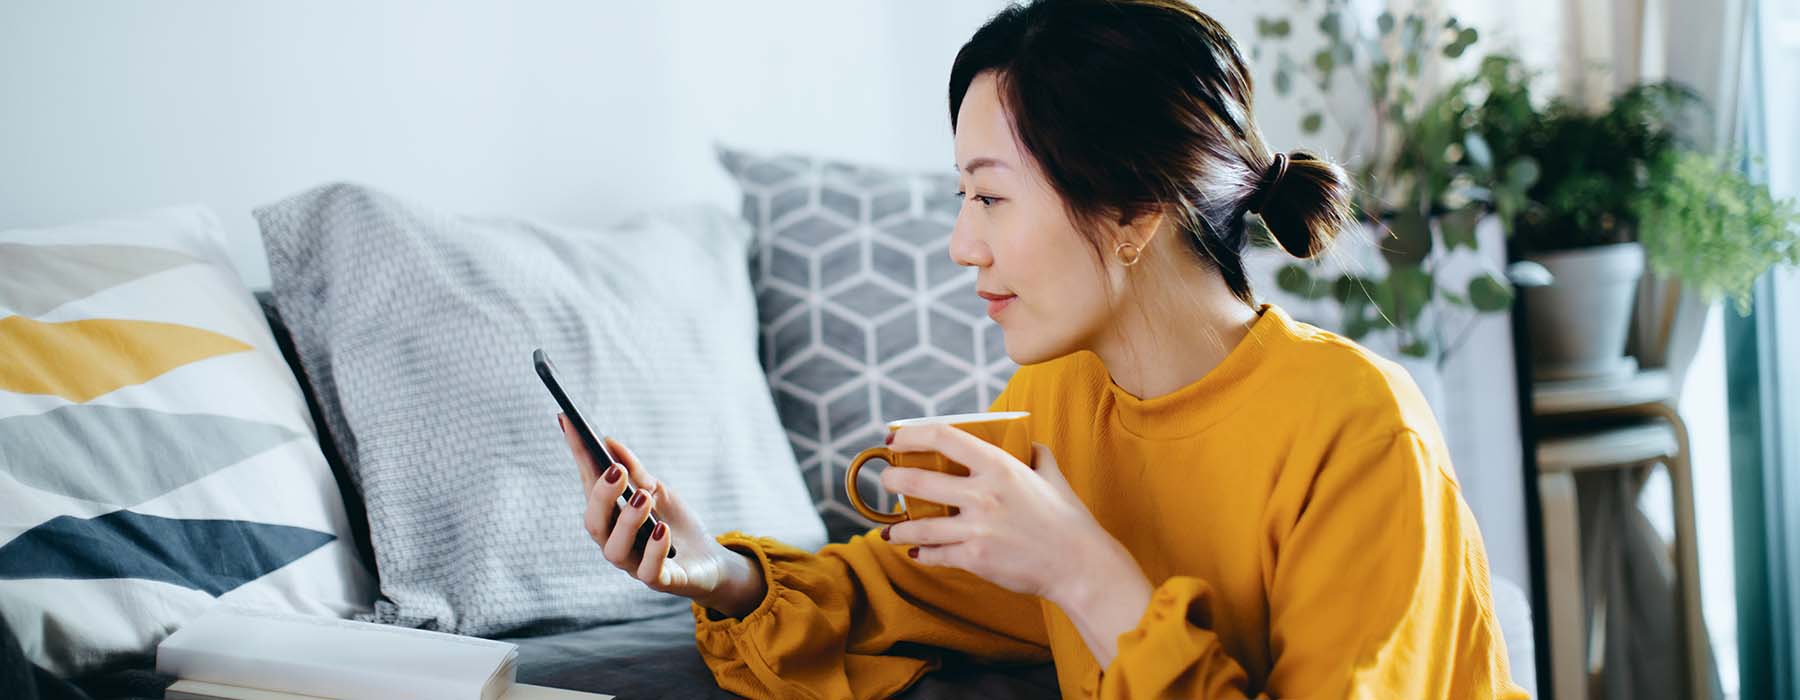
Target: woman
[(1250, 506)]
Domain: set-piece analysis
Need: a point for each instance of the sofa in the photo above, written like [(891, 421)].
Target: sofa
[(826, 306)]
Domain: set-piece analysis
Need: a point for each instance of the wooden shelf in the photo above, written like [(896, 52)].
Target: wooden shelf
[(1563, 398)]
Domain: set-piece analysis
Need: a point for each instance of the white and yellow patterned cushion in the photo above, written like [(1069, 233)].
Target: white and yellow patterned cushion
[(156, 455)]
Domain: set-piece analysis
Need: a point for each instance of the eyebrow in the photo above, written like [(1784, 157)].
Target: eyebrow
[(982, 162)]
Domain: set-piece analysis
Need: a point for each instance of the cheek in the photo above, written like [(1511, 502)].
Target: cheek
[(1051, 267)]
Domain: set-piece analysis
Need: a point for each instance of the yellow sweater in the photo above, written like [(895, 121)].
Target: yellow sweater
[(1295, 509)]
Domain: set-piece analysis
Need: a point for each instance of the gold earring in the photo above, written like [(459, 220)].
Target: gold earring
[(1123, 259)]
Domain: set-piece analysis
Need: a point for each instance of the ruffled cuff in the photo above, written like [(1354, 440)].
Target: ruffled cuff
[(1174, 633), (717, 634)]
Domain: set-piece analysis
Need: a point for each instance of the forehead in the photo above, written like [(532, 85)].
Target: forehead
[(983, 131)]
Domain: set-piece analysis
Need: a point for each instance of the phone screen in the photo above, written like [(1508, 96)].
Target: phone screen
[(591, 440)]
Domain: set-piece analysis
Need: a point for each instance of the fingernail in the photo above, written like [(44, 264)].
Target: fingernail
[(657, 534), (638, 500), (560, 426), (914, 552), (613, 474), (884, 532), (890, 437)]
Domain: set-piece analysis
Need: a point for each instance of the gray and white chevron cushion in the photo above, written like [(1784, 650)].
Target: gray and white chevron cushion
[(416, 329), (865, 318)]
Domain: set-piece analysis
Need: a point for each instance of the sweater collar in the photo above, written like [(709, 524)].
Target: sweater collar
[(1221, 391)]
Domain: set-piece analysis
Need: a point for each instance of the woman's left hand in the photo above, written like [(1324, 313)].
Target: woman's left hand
[(1019, 526)]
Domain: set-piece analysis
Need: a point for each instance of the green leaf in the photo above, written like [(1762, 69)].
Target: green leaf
[(1458, 227), (1330, 24), (1460, 41), (1385, 23), (1412, 65), (1296, 280), (1477, 149), (1417, 348), (1407, 291), (1280, 28), (1312, 122), (1489, 294), (1324, 61), (1411, 240), (1284, 82), (1522, 173)]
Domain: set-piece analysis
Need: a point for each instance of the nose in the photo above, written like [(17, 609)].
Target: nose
[(967, 248)]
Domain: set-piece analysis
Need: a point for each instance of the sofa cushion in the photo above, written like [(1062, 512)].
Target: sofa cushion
[(156, 456), (656, 658), (865, 318), (416, 329)]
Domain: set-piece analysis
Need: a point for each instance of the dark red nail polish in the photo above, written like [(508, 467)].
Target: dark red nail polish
[(613, 474), (914, 552), (884, 532), (661, 529), (890, 437), (638, 500)]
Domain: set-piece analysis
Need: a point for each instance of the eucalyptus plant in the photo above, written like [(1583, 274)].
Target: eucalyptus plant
[(1422, 160)]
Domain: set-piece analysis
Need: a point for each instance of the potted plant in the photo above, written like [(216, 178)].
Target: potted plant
[(1582, 219), (1427, 176)]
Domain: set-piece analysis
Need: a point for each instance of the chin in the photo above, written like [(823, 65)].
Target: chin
[(1029, 347)]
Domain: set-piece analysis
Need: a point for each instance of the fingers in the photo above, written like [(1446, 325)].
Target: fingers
[(584, 462), (960, 447), (1045, 465), (652, 569), (929, 531), (640, 477), (603, 499), (623, 540), (929, 485)]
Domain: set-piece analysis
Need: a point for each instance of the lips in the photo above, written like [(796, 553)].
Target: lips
[(997, 302)]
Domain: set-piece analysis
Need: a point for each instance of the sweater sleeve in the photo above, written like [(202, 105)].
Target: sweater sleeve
[(1379, 590), (862, 620)]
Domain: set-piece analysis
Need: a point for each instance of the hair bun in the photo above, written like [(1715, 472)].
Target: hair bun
[(1304, 202)]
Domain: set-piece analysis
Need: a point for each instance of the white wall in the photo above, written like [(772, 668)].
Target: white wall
[(571, 111)]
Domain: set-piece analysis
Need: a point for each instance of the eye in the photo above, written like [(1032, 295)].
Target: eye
[(985, 200)]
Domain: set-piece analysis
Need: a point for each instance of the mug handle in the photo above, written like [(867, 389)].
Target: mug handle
[(856, 500)]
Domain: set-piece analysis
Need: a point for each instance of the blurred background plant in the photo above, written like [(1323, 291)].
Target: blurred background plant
[(1709, 225), (1425, 170)]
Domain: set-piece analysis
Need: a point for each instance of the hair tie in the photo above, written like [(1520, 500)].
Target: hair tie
[(1271, 179)]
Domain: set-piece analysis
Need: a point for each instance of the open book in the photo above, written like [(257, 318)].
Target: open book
[(331, 658)]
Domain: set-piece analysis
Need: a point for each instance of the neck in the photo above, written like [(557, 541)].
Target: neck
[(1171, 333)]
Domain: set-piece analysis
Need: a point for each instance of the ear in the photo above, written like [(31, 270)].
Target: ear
[(1140, 229)]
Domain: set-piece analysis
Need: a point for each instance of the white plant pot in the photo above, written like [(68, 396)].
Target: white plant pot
[(1579, 323)]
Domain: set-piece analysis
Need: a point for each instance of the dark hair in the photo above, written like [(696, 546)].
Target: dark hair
[(1131, 106)]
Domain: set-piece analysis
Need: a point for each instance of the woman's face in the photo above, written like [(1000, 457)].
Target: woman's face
[(1046, 289)]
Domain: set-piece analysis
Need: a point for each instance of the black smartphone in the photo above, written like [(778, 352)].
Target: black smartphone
[(591, 440)]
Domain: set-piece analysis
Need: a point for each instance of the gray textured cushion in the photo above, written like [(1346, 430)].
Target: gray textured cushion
[(865, 318), (416, 329)]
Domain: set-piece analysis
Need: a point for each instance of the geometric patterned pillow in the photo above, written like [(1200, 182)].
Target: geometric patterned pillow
[(156, 456), (865, 318)]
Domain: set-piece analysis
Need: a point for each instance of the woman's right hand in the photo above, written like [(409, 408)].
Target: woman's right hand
[(702, 570)]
